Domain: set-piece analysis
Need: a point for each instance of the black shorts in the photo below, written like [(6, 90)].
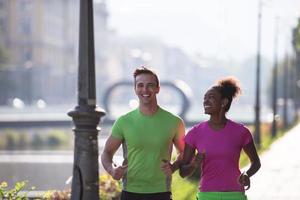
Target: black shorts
[(151, 196)]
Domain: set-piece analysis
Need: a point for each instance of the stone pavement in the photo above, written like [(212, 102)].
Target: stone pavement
[(279, 175)]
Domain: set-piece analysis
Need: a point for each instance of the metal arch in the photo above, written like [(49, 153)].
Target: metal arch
[(109, 91), (181, 87)]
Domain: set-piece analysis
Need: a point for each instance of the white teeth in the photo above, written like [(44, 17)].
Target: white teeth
[(146, 95)]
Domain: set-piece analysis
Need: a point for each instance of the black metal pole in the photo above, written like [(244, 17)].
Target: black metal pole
[(274, 97), (86, 115), (257, 100)]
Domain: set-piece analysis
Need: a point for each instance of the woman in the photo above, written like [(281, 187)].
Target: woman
[(219, 142)]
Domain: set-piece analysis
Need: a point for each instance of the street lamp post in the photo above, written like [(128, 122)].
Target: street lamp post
[(86, 115), (257, 99)]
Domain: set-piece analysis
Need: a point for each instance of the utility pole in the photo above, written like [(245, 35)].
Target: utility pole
[(257, 100), (286, 90), (274, 97), (86, 115)]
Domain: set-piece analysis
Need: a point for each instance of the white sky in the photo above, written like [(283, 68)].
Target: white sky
[(218, 28)]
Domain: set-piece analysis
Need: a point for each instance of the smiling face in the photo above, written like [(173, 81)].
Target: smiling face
[(212, 102), (146, 89)]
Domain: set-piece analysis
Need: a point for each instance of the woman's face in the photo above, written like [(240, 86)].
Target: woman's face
[(212, 102)]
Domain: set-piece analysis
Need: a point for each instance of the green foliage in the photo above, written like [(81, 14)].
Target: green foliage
[(23, 141), (12, 194), (37, 141), (184, 189), (17, 140), (4, 56), (57, 138), (296, 37), (10, 138)]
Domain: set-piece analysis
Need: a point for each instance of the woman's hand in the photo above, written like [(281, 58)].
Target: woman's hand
[(189, 168), (244, 180)]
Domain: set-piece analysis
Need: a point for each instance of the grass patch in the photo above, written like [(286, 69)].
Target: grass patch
[(184, 189)]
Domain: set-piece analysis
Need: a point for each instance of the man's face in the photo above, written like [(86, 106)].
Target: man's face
[(146, 88)]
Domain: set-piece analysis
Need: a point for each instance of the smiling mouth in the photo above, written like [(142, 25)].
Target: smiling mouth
[(207, 106)]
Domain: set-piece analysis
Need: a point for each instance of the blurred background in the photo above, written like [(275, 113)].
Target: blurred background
[(190, 44)]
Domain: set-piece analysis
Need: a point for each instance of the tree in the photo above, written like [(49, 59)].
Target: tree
[(296, 65), (3, 53), (296, 37)]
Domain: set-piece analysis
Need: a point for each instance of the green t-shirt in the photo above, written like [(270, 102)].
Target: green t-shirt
[(146, 141)]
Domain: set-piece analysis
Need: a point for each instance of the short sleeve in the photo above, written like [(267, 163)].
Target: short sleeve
[(180, 129), (247, 137), (116, 130), (190, 137)]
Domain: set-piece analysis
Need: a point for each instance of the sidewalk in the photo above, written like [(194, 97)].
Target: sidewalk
[(279, 175)]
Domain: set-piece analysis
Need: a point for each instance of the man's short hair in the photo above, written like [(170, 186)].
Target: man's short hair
[(145, 70)]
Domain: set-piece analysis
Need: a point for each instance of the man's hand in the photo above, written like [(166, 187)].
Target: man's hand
[(195, 161), (118, 171), (166, 167), (199, 157)]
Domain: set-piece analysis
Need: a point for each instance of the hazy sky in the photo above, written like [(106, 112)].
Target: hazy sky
[(219, 28)]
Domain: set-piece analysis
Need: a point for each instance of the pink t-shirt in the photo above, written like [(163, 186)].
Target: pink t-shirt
[(220, 168)]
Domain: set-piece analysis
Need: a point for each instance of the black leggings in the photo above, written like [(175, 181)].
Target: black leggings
[(152, 196)]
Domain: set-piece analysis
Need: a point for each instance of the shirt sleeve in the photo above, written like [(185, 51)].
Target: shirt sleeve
[(247, 137), (180, 129), (190, 137), (116, 130), (178, 139)]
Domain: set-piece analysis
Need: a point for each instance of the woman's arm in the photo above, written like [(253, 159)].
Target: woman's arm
[(251, 152), (189, 161)]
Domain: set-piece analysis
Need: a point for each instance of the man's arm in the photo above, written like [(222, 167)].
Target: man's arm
[(178, 142), (179, 145), (111, 146)]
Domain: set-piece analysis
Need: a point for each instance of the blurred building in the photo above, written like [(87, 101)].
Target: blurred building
[(41, 37)]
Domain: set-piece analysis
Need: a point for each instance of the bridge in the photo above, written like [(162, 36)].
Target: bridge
[(56, 116)]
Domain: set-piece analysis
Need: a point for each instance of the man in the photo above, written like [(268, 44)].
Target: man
[(147, 135)]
